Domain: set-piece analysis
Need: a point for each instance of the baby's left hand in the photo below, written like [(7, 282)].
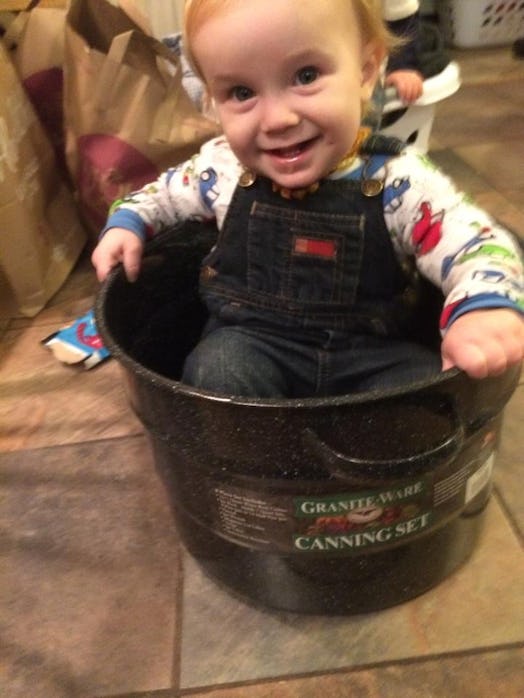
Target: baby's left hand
[(484, 342)]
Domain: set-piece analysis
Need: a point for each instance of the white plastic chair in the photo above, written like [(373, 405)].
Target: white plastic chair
[(413, 123)]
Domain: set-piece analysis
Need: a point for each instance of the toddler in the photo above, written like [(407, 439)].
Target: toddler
[(309, 287)]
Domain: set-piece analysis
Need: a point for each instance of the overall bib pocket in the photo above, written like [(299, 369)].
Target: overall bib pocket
[(304, 257)]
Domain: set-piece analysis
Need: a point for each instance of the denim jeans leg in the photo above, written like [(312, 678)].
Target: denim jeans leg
[(379, 364), (249, 362), (237, 361)]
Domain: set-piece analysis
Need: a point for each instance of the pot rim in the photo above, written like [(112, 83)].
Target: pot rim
[(121, 355)]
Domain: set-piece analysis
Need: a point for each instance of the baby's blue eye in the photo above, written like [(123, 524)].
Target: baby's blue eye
[(307, 75), (241, 93)]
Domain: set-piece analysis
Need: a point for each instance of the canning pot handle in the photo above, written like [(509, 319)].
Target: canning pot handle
[(360, 470)]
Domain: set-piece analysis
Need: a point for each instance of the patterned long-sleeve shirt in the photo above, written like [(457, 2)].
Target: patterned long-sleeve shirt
[(456, 245)]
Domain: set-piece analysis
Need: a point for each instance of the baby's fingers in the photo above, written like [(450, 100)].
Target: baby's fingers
[(474, 360), (131, 259), (103, 263)]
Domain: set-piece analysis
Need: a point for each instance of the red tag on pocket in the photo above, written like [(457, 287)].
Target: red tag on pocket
[(327, 249)]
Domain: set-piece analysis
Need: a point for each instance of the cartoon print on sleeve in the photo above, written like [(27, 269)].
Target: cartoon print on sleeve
[(496, 276), (171, 172), (490, 276), (394, 192), (477, 246), (427, 231), (189, 172), (207, 184)]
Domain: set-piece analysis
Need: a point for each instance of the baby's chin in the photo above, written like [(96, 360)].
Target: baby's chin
[(298, 176), (293, 181)]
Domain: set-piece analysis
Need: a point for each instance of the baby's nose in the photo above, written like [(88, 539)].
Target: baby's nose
[(277, 115)]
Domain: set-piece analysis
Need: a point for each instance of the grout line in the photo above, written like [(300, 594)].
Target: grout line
[(174, 691), (155, 693), (406, 662), (74, 444), (514, 524), (176, 671)]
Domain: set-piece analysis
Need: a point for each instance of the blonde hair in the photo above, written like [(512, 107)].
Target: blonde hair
[(368, 13)]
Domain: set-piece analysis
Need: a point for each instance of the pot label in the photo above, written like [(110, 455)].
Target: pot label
[(334, 523), (347, 522), (362, 519)]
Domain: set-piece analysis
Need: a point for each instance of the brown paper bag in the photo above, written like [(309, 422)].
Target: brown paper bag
[(41, 235), (35, 40), (127, 115)]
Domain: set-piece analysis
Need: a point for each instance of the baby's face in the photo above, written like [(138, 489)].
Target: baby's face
[(288, 79)]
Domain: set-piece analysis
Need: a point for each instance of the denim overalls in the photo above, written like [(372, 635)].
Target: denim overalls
[(307, 297)]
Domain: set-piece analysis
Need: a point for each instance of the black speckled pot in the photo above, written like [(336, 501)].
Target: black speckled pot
[(340, 505)]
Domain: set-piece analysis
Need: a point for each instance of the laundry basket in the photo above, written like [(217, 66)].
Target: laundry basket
[(413, 124), (344, 504), (476, 23)]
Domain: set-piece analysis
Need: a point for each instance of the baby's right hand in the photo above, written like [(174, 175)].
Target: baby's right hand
[(118, 245)]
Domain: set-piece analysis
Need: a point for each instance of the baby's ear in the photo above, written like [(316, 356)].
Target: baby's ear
[(209, 108), (372, 56)]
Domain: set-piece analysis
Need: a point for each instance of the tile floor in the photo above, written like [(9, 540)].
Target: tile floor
[(99, 597)]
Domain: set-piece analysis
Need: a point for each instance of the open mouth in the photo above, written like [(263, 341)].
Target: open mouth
[(293, 151)]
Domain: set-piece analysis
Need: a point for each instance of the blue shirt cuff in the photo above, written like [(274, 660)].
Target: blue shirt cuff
[(483, 301), (124, 218)]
